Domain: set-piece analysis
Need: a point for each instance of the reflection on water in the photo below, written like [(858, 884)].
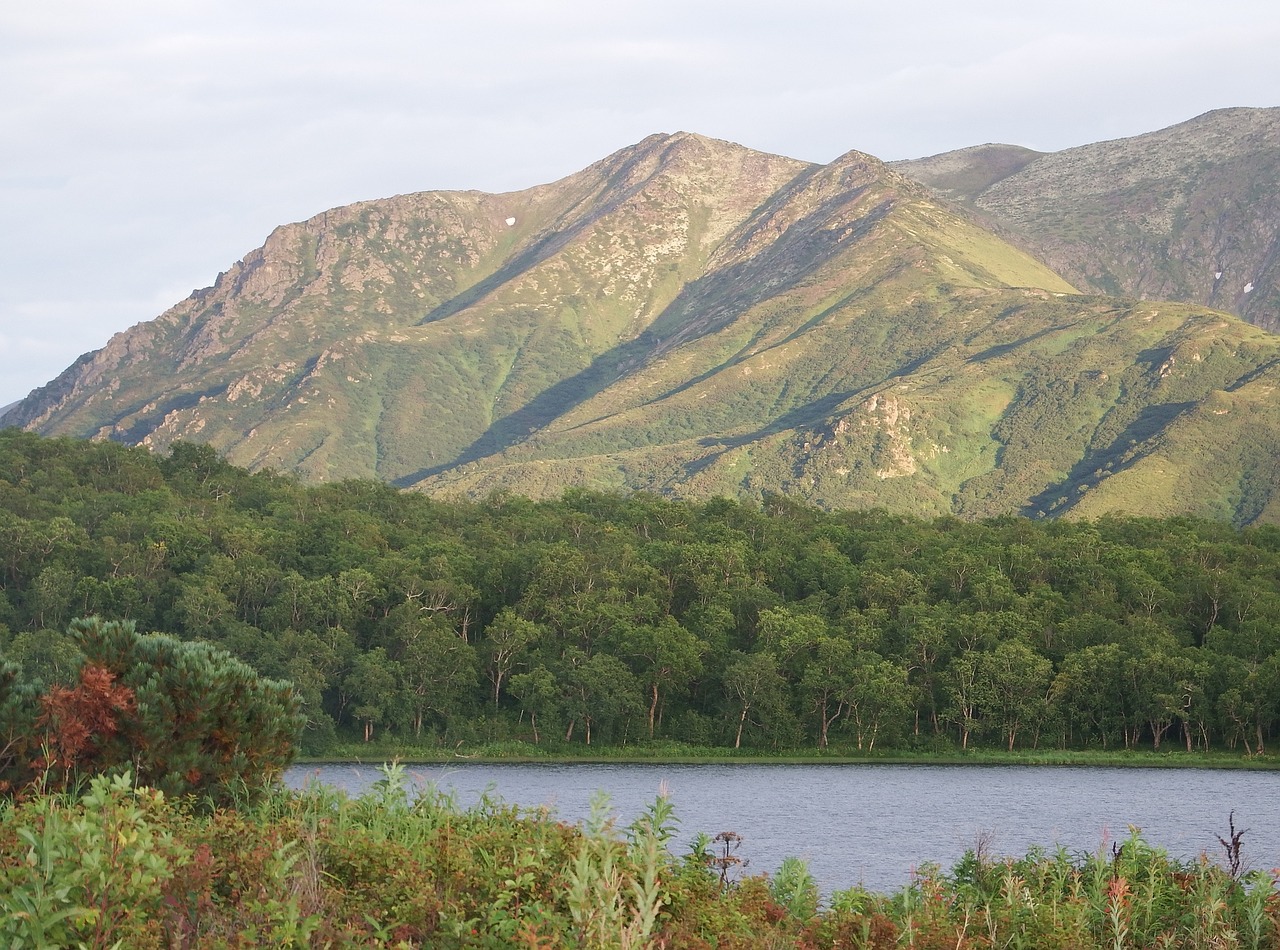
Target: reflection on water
[(871, 824)]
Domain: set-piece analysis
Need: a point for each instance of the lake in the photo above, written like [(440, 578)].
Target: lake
[(872, 824)]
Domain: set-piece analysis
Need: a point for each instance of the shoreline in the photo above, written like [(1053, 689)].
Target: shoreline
[(1067, 759)]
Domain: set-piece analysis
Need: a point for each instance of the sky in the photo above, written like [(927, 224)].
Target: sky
[(147, 145)]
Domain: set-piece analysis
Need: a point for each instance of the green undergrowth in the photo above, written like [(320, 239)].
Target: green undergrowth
[(671, 752), (121, 866)]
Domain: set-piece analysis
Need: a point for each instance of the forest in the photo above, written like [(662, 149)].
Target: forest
[(598, 620)]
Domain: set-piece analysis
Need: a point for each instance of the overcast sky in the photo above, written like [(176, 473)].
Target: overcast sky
[(146, 146)]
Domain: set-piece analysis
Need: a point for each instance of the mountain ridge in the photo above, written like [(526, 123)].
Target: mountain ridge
[(1190, 212), (690, 316)]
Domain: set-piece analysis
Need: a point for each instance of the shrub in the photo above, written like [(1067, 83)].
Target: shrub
[(201, 721)]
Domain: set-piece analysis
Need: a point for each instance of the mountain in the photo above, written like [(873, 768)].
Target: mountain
[(692, 317), (1189, 213)]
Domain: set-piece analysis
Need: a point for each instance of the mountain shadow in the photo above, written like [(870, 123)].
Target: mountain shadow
[(544, 408)]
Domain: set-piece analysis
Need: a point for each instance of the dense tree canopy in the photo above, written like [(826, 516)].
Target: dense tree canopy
[(598, 618)]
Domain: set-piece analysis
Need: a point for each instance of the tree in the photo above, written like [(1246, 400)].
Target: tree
[(600, 691), (669, 658), (19, 708), (879, 696), (1013, 686), (752, 683), (538, 693), (1153, 670), (1252, 702), (204, 722), (506, 639), (315, 662), (927, 643), (437, 667), (965, 694), (45, 656), (1090, 690), (827, 682), (371, 686), (79, 724)]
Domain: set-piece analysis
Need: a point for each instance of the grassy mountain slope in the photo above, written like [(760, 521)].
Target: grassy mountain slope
[(1015, 401), (693, 317), (1188, 213), (386, 337)]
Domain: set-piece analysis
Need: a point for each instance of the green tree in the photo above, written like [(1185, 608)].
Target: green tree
[(1014, 687), (438, 668), (753, 687), (539, 694), (601, 691), (45, 656), (371, 687), (965, 693), (507, 639), (19, 709), (669, 658), (879, 697), (1090, 692), (827, 682)]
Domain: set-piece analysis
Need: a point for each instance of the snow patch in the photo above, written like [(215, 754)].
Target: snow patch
[(1248, 288), (511, 222)]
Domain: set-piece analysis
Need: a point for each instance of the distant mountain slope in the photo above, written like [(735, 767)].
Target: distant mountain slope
[(1010, 401), (692, 317), (1189, 213), (387, 336)]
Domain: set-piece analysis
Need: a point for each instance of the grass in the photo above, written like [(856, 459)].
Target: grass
[(682, 753)]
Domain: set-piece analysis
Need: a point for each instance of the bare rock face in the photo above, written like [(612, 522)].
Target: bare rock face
[(692, 317), (1189, 213)]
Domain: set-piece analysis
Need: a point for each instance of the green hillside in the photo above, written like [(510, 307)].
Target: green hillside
[(691, 317)]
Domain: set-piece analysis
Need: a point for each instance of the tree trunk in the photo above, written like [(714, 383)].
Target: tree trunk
[(1157, 734)]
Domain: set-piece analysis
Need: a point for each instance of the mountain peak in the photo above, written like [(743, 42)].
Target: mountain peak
[(1190, 212), (694, 317)]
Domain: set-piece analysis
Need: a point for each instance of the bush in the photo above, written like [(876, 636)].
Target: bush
[(181, 717), (203, 721)]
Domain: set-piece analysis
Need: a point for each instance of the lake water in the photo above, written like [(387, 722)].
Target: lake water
[(872, 824)]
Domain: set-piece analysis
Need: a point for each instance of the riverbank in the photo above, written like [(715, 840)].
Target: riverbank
[(681, 754)]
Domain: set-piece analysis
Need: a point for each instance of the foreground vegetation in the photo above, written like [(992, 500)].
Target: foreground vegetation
[(127, 866), (420, 625)]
